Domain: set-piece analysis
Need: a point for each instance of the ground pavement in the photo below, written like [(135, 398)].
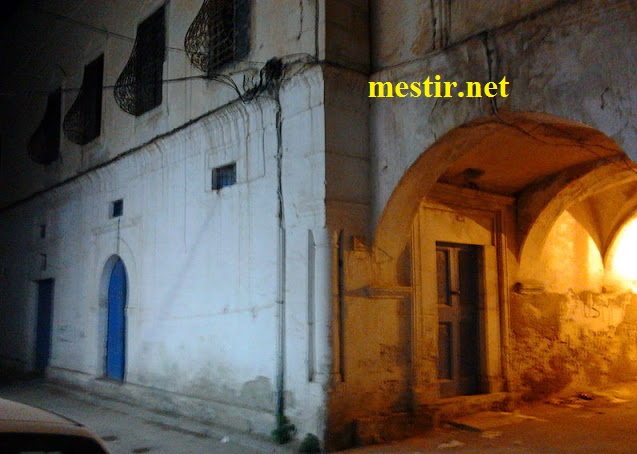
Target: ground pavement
[(601, 422), (130, 429), (586, 422)]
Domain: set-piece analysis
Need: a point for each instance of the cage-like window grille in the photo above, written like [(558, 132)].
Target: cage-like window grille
[(224, 176), (139, 87), (82, 122), (220, 34), (44, 145)]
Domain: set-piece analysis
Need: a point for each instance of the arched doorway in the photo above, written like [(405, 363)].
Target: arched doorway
[(115, 364), (482, 188), (451, 321)]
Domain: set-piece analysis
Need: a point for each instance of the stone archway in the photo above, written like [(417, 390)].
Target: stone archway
[(492, 147), (541, 204), (493, 186), (516, 173)]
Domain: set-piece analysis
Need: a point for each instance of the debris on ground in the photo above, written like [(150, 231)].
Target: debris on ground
[(491, 434), (601, 397), (451, 444), (487, 421), (519, 415)]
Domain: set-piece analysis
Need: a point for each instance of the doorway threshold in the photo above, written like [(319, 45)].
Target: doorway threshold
[(447, 409)]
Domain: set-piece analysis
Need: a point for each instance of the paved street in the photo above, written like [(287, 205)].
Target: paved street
[(130, 429), (602, 422), (595, 423)]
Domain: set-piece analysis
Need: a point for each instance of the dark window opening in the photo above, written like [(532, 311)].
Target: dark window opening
[(82, 122), (220, 34), (139, 87), (44, 145), (117, 208), (150, 62), (42, 230), (224, 176)]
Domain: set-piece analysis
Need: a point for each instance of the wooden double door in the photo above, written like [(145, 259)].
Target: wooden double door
[(459, 274)]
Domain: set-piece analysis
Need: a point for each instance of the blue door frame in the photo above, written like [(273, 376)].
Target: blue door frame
[(116, 325), (43, 325)]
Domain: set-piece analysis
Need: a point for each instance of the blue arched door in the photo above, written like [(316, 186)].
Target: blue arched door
[(116, 329)]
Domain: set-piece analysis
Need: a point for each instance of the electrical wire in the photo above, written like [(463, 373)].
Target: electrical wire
[(88, 26)]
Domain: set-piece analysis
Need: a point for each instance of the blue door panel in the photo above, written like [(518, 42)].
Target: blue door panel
[(116, 330), (43, 325)]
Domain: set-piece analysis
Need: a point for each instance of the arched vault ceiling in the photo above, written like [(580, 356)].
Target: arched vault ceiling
[(515, 155), (605, 213), (547, 163)]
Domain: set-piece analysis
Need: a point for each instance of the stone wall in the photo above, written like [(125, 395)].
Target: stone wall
[(571, 342)]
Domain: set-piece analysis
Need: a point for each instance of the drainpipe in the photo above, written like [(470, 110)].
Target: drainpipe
[(283, 431)]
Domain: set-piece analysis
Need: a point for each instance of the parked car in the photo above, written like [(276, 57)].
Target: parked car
[(30, 430)]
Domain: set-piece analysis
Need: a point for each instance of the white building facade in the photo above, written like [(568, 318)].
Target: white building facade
[(203, 179), (204, 211)]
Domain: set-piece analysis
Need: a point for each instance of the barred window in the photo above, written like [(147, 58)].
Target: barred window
[(139, 87), (220, 34), (44, 145), (224, 176), (82, 122), (117, 208)]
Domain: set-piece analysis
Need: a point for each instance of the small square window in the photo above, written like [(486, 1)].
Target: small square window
[(117, 208), (224, 176)]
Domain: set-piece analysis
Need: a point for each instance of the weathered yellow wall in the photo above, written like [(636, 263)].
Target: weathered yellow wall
[(570, 258), (571, 335), (556, 329), (572, 342)]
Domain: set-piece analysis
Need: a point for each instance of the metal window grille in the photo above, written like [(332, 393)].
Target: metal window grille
[(44, 145), (220, 34), (139, 87), (82, 122), (224, 176)]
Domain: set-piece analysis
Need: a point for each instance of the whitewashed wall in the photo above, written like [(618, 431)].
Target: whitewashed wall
[(202, 265), (47, 46)]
